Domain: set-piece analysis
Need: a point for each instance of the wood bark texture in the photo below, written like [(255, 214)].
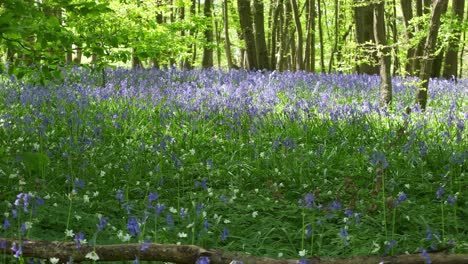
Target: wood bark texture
[(188, 254), (428, 56)]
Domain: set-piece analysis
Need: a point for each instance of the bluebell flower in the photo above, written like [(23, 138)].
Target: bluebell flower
[(199, 208), (344, 236), (132, 226), (302, 261), (102, 223), (426, 256), (401, 198), (2, 244), (159, 208), (224, 234), (440, 192), (169, 220), (79, 184), (428, 234), (22, 228), (379, 159), (309, 231), (6, 224), (145, 245), (153, 196), (78, 238), (357, 217), (202, 184), (224, 198), (206, 225), (349, 212), (336, 205), (390, 245), (451, 200), (14, 213), (183, 212), (203, 260), (119, 196), (136, 261)]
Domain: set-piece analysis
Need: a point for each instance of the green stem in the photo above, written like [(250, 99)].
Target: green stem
[(384, 207), (393, 228), (443, 219)]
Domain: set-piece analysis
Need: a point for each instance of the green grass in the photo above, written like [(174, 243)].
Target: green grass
[(257, 165)]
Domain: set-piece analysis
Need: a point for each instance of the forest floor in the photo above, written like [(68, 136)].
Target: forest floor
[(286, 165)]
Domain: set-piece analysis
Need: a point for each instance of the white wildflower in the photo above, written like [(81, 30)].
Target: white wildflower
[(92, 255), (54, 260), (302, 253), (69, 233), (182, 234)]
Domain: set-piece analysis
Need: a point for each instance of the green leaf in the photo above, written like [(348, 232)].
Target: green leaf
[(34, 161)]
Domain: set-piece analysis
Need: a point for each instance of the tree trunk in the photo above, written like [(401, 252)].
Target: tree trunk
[(407, 10), (260, 43), (227, 42), (337, 33), (275, 33), (428, 56), (299, 45), (422, 7), (185, 254), (310, 36), (384, 54), (218, 41), (320, 28), (396, 59), (451, 56), (245, 18), (136, 62), (367, 56), (207, 61)]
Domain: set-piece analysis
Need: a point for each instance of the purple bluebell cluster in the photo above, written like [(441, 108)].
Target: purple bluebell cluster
[(206, 156)]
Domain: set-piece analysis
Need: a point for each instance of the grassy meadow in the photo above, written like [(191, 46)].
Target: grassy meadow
[(286, 165)]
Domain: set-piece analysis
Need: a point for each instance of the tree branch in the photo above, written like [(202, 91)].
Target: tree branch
[(185, 254)]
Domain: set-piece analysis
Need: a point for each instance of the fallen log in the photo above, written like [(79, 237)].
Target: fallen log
[(188, 254)]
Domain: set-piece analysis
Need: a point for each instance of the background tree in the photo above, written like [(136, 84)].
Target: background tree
[(383, 52), (207, 61), (367, 56), (428, 56), (451, 56)]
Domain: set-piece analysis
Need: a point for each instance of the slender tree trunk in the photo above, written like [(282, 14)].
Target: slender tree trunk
[(429, 47), (275, 33), (396, 60), (207, 61), (136, 62), (227, 42), (422, 7), (260, 43), (245, 18), (337, 33), (407, 11), (218, 41), (384, 54), (156, 64), (299, 45), (310, 36), (462, 52), (320, 28), (439, 58), (79, 54), (451, 56), (284, 36)]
